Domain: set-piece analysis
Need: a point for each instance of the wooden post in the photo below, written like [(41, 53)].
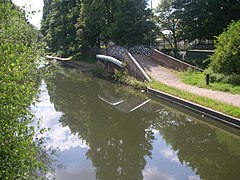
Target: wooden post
[(207, 79)]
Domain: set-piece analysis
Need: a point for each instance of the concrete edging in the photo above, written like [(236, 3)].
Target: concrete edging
[(204, 111)]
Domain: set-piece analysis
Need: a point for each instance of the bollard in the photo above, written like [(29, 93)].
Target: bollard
[(207, 79)]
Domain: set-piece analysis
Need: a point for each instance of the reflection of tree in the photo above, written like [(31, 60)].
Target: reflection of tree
[(213, 153), (118, 148), (118, 141), (232, 144)]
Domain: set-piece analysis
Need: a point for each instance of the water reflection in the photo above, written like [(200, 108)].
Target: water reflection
[(206, 150), (59, 137), (126, 136), (115, 95), (117, 142)]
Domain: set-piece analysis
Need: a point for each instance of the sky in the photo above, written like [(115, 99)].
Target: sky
[(37, 5), (154, 3), (32, 5)]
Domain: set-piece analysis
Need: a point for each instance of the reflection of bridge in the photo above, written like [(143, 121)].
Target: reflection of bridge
[(118, 56), (128, 104), (115, 96)]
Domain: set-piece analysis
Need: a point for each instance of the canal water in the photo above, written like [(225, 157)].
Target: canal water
[(108, 131)]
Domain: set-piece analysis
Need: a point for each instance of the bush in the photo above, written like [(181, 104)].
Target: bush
[(22, 155), (233, 79), (230, 79), (120, 75), (226, 57)]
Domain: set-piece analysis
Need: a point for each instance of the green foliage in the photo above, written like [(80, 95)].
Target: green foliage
[(167, 20), (218, 82), (58, 26), (195, 19), (71, 27), (131, 24), (120, 76), (91, 24), (221, 78), (204, 19), (22, 156), (226, 58), (123, 22), (213, 104)]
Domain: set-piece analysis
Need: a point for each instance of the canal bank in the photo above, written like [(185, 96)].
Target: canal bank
[(203, 111)]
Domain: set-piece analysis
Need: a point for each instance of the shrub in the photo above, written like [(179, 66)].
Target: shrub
[(22, 155), (233, 79), (120, 75), (226, 57)]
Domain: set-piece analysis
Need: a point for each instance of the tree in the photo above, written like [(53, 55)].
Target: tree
[(91, 24), (131, 24), (124, 22), (87, 23), (58, 26), (226, 57), (167, 20), (22, 155), (204, 19)]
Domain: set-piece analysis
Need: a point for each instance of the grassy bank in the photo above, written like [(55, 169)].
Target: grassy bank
[(198, 79), (210, 103)]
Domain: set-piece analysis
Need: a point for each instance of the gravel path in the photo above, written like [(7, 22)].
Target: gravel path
[(167, 77)]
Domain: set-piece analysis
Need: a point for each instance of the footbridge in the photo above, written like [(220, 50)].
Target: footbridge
[(137, 59)]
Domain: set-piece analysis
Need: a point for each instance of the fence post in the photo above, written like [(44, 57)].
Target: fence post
[(207, 79)]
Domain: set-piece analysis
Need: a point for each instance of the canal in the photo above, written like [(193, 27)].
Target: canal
[(108, 131)]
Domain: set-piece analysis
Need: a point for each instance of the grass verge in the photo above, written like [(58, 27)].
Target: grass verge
[(206, 102), (210, 103), (198, 79)]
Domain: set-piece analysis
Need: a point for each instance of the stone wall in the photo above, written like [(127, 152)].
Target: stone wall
[(134, 69), (171, 62)]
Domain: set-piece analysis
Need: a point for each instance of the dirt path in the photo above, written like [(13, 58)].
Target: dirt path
[(167, 77)]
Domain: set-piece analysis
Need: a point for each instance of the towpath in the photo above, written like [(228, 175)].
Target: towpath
[(167, 77)]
